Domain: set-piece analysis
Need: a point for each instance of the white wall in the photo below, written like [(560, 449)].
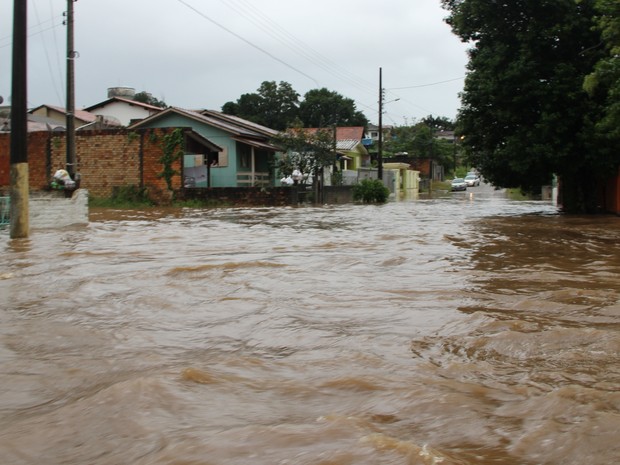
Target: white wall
[(123, 111), (57, 212)]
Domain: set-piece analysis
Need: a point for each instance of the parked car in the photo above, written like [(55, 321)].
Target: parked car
[(458, 184), (472, 180)]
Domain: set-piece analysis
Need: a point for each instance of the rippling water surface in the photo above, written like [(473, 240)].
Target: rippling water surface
[(469, 329)]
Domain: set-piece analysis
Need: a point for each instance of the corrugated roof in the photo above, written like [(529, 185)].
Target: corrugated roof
[(230, 127), (124, 100), (346, 144), (241, 122)]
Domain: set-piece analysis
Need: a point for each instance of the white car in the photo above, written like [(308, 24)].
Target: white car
[(458, 184), (472, 180)]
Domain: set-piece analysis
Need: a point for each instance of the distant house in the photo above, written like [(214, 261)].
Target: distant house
[(53, 118), (351, 154), (123, 110), (247, 156), (372, 132), (58, 115)]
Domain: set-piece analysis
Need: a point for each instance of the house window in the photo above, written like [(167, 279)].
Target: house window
[(222, 158)]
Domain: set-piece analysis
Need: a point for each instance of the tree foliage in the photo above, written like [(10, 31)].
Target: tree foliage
[(322, 107), (278, 107), (604, 80), (145, 97), (273, 105), (420, 141), (305, 151), (525, 115)]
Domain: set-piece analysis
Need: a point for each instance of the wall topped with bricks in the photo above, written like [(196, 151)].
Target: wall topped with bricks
[(105, 159)]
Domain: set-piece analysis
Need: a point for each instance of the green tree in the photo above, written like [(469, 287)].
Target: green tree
[(439, 123), (524, 113), (273, 105), (308, 152), (145, 97), (420, 141), (322, 107), (604, 81)]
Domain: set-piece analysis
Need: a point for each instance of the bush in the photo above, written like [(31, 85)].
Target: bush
[(371, 190)]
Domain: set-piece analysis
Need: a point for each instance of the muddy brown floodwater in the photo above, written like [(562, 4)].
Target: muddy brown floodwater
[(470, 329)]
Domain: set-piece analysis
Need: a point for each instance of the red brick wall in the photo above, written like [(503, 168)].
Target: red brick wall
[(106, 159), (37, 159), (5, 160)]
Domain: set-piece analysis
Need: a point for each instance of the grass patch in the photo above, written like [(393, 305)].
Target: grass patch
[(442, 185), (518, 194), (123, 197)]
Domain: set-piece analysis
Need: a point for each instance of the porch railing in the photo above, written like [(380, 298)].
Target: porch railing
[(256, 179)]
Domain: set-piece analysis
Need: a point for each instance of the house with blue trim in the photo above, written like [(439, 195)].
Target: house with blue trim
[(246, 156)]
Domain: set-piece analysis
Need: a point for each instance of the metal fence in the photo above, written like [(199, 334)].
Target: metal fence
[(5, 207)]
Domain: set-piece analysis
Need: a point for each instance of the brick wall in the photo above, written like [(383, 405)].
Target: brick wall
[(106, 159), (249, 196), (37, 166)]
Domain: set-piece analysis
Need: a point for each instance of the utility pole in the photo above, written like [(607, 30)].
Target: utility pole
[(19, 125), (380, 141), (71, 54)]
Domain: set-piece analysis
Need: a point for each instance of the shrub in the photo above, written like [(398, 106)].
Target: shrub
[(371, 190)]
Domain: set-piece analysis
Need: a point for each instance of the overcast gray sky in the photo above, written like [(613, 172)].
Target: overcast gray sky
[(204, 53)]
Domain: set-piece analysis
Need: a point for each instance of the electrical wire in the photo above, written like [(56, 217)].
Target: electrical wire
[(47, 56), (275, 30), (200, 13), (428, 85)]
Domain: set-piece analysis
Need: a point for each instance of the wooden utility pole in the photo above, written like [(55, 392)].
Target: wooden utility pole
[(19, 125), (380, 141), (71, 54)]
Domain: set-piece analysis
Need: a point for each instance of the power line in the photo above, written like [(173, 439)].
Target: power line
[(47, 56), (428, 85), (198, 12), (272, 28)]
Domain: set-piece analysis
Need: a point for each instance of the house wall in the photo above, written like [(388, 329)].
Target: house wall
[(221, 176), (107, 159), (52, 114), (124, 112)]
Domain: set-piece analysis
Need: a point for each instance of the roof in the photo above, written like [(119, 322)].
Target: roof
[(240, 121), (83, 115), (256, 143), (204, 141), (346, 144), (237, 128), (342, 133), (146, 106)]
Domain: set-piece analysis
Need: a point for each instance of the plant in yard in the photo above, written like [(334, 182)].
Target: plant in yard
[(371, 190)]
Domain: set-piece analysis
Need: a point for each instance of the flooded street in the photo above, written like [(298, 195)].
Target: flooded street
[(470, 329)]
